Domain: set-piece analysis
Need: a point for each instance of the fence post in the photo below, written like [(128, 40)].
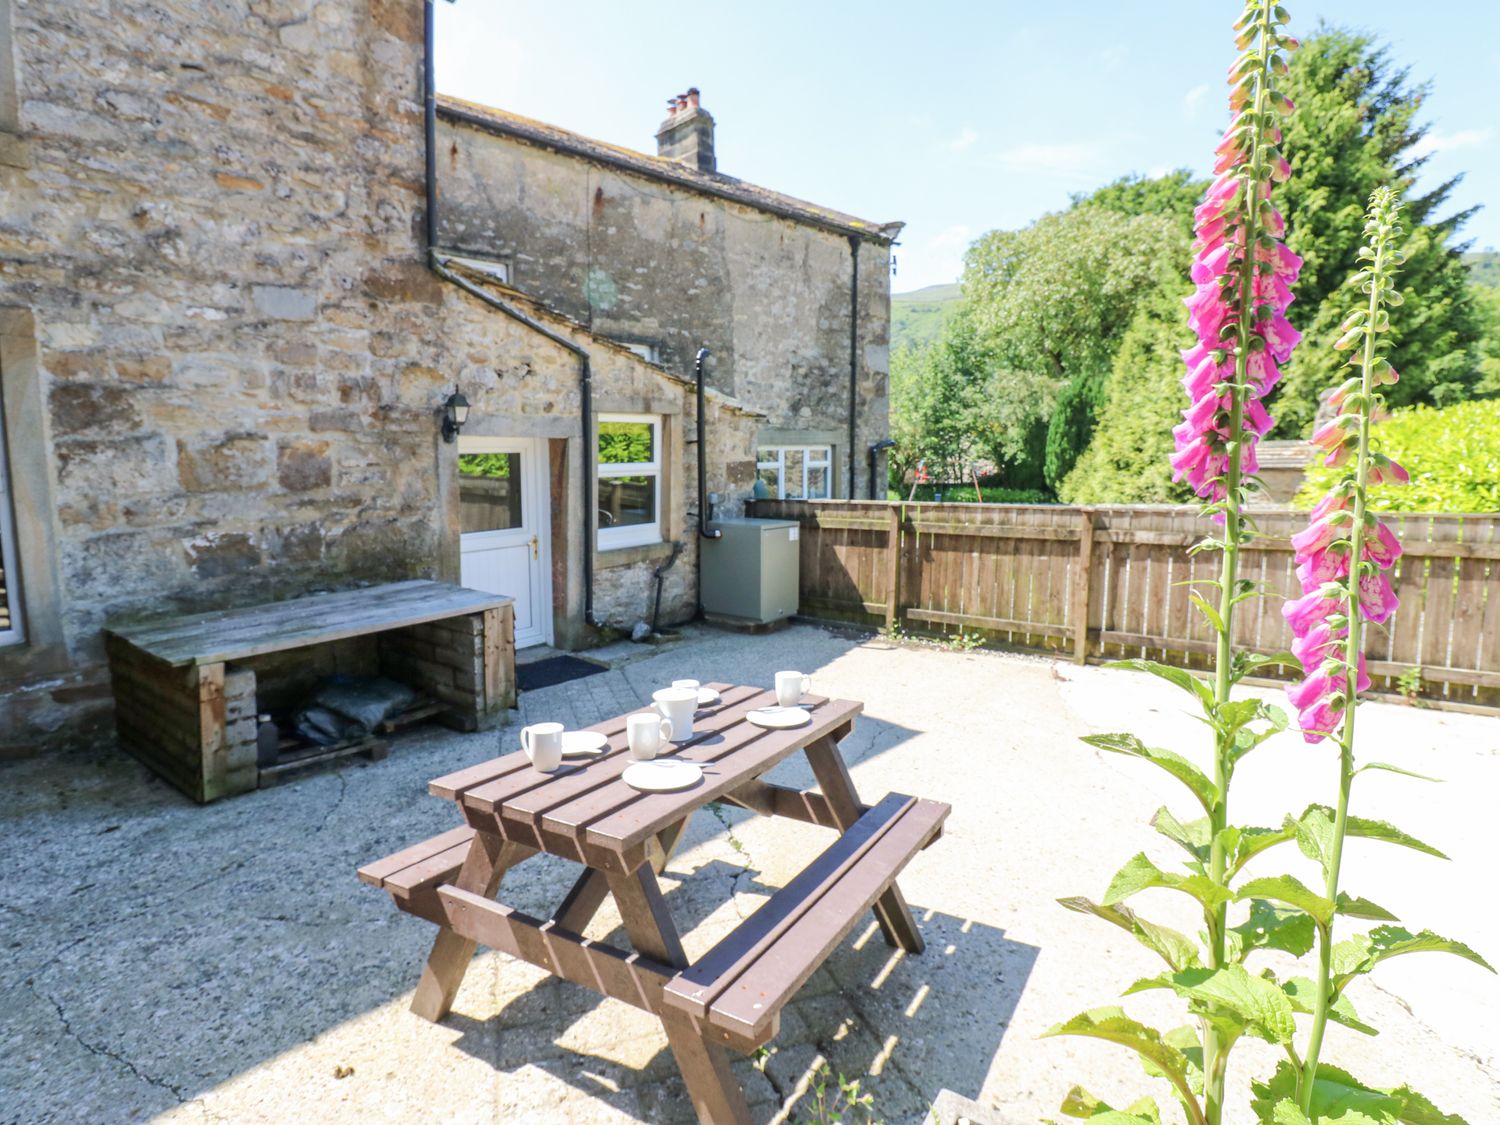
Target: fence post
[(893, 560), (1081, 587)]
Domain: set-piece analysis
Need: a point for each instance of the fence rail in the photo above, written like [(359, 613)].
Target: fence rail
[(1109, 582)]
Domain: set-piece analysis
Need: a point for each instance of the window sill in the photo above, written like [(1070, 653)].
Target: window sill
[(608, 557)]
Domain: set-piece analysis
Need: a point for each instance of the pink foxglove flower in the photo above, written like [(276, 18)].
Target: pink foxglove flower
[(1236, 231)]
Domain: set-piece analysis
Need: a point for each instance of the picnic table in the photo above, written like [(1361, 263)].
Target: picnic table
[(732, 996)]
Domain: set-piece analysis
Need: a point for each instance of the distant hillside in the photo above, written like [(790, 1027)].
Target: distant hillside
[(917, 317), (1484, 267)]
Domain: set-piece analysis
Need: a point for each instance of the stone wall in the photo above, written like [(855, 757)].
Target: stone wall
[(650, 262), (232, 357)]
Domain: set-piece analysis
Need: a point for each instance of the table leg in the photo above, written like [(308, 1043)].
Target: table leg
[(705, 1066), (587, 894), (483, 868), (896, 923)]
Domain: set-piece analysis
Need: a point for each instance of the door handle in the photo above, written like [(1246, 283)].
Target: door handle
[(535, 548)]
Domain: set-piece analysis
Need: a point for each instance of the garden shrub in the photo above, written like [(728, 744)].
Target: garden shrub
[(1452, 454)]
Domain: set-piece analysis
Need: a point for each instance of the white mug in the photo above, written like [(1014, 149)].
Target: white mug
[(645, 733), (790, 687), (543, 745), (677, 704)]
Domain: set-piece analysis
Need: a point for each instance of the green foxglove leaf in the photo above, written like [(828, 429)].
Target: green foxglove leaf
[(1173, 947), (1388, 768), (1416, 1109), (1363, 908), (1387, 833), (1233, 999), (1139, 874), (1177, 676), (1175, 764), (1210, 614), (1284, 888), (1277, 927), (1288, 1112), (1114, 1026), (1191, 837), (1334, 1095), (1314, 833), (1362, 952), (1303, 993), (1081, 1103), (1253, 841)]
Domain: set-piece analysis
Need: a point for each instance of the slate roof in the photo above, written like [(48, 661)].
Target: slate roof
[(715, 184)]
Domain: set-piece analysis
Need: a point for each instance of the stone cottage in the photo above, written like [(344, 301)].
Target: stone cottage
[(225, 348)]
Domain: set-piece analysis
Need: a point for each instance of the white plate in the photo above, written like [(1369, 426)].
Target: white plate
[(707, 697), (583, 743), (664, 775), (779, 718)]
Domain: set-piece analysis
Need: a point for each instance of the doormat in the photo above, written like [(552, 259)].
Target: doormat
[(554, 670)]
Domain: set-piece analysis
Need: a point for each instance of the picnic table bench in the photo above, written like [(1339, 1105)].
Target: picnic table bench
[(185, 687), (732, 996)]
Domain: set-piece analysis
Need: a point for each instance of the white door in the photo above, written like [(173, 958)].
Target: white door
[(507, 528)]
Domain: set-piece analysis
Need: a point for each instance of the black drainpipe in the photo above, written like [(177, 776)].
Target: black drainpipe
[(436, 262), (853, 351), (704, 531)]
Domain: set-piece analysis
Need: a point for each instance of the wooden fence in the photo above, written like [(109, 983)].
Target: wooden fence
[(1115, 581)]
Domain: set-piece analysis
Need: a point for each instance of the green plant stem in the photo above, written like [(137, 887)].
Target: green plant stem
[(1352, 649), (1215, 1053)]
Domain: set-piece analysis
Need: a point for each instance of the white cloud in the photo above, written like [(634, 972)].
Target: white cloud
[(1066, 158), (1435, 142), (957, 236), (965, 139), (1192, 100)]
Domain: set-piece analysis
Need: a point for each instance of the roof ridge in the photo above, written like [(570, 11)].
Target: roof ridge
[(658, 167)]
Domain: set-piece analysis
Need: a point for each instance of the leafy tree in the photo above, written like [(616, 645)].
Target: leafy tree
[(1051, 302), (1355, 129), (1126, 462), (1487, 308), (1174, 195)]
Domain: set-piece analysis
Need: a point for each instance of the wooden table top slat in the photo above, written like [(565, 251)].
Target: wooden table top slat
[(235, 634), (586, 808), (569, 811), (726, 768), (508, 795)]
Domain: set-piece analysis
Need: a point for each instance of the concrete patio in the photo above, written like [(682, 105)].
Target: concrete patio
[(222, 963)]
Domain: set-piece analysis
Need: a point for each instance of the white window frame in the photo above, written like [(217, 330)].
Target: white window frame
[(649, 352), (778, 462), (641, 534), (14, 633)]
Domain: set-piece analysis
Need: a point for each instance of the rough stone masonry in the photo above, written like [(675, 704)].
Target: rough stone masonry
[(223, 358)]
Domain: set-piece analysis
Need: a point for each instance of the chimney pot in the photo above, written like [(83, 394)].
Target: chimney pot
[(687, 135)]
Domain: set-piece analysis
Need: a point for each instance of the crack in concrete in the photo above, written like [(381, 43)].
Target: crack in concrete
[(1472, 1056), (105, 1052), (739, 847), (337, 801)]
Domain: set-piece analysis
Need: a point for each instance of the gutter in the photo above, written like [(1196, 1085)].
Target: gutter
[(437, 262), (704, 531)]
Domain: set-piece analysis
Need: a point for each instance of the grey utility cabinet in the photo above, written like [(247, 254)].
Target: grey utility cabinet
[(750, 572)]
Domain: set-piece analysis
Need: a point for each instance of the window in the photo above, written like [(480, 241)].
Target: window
[(490, 267), (649, 352), (629, 503), (10, 601), (796, 472)]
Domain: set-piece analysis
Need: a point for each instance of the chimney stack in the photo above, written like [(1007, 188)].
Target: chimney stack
[(687, 135)]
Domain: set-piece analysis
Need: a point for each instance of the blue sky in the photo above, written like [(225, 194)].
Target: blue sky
[(955, 117)]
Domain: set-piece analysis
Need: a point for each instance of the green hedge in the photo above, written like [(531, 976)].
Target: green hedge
[(1452, 454), (964, 494)]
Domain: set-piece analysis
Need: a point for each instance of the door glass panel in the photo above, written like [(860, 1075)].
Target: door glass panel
[(626, 501), (489, 491)]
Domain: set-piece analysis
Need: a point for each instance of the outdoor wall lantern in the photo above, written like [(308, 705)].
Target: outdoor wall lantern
[(455, 415)]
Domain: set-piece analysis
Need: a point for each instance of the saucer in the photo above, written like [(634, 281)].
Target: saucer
[(779, 718), (707, 697), (583, 743), (664, 775)]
